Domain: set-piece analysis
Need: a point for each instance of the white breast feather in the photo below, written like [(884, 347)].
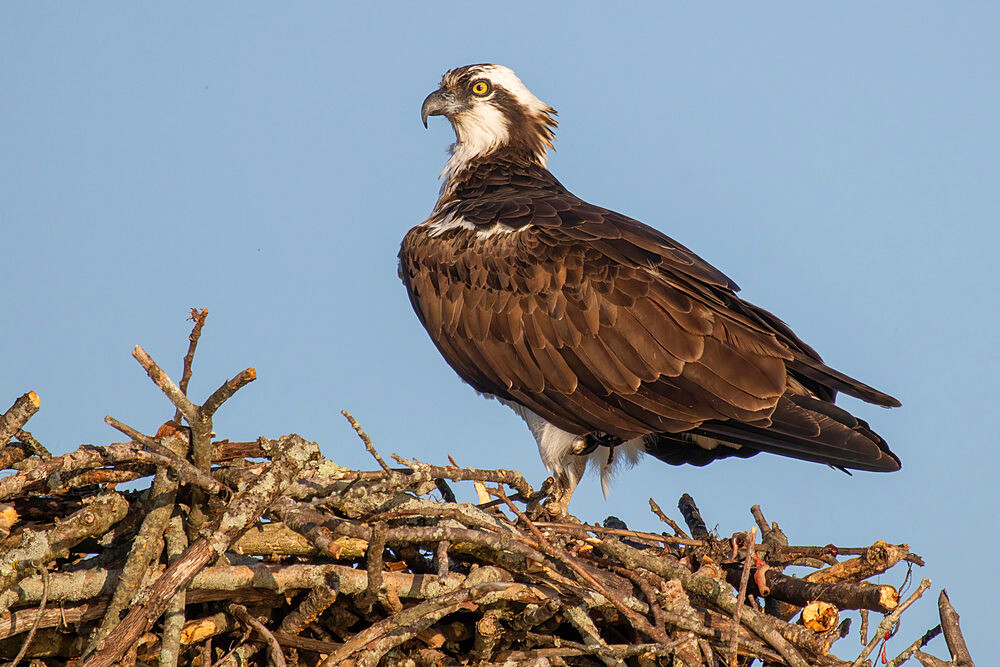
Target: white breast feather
[(479, 130), (451, 221)]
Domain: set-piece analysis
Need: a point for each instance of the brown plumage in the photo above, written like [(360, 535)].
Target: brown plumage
[(600, 325)]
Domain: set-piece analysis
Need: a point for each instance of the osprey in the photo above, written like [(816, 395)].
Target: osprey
[(603, 333)]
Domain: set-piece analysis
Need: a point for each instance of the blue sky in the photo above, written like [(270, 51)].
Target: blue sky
[(841, 163)]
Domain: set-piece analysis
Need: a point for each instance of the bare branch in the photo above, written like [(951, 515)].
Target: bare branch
[(198, 316), (689, 510), (244, 509), (952, 632), (18, 414), (223, 393), (666, 519), (184, 469), (274, 648), (365, 439), (889, 621), (744, 581), (38, 619), (166, 385)]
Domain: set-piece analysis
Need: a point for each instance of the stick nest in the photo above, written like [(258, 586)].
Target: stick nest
[(213, 552)]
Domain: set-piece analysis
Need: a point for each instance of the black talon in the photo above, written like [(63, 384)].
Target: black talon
[(597, 439)]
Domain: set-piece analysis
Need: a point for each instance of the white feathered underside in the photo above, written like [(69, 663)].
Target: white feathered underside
[(556, 447)]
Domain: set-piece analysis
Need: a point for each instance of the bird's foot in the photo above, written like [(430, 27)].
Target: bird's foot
[(587, 444), (583, 446), (556, 506)]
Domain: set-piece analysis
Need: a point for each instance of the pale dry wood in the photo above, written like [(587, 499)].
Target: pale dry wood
[(198, 630), (928, 660), (146, 548), (34, 626), (741, 596), (410, 621), (50, 474), (18, 415), (40, 547), (35, 447), (592, 639), (224, 393), (198, 316), (315, 603), (221, 581), (182, 467), (913, 649), (877, 558), (268, 539), (368, 441), (666, 519), (637, 621), (275, 655), (299, 568), (820, 616), (244, 509), (707, 588), (174, 616), (166, 385), (889, 621), (618, 532)]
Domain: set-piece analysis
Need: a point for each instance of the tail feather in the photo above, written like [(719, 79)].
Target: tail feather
[(801, 427), (812, 430), (819, 372)]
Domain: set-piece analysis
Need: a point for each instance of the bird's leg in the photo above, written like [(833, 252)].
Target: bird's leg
[(557, 504), (566, 479)]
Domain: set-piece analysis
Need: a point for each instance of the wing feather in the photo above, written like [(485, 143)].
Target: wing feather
[(756, 375), (683, 345), (608, 371), (599, 323), (559, 377), (655, 357)]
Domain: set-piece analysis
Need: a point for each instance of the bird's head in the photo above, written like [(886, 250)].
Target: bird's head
[(491, 111)]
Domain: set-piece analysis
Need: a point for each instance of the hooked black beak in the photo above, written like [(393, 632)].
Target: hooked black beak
[(438, 103)]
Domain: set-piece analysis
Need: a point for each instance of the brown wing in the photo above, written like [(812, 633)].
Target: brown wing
[(599, 323)]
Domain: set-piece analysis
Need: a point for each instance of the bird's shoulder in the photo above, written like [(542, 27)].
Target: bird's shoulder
[(513, 226), (495, 199)]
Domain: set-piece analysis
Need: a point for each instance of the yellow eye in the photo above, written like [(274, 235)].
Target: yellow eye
[(480, 88)]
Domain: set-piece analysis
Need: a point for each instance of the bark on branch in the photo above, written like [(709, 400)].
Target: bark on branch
[(245, 508)]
